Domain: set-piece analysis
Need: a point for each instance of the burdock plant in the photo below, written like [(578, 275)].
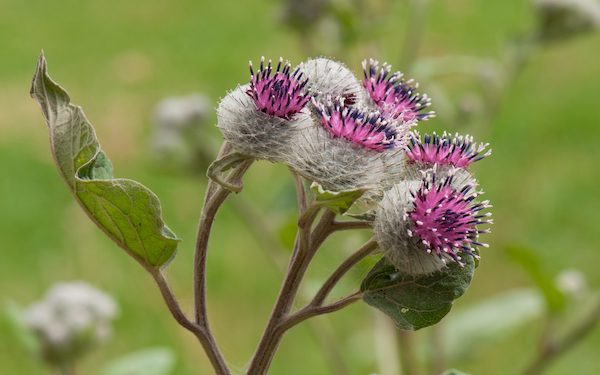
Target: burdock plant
[(357, 164)]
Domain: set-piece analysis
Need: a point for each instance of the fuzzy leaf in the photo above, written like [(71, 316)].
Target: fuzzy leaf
[(127, 211), (337, 201), (415, 302)]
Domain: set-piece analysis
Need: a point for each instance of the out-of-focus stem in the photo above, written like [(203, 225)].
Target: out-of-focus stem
[(414, 34), (555, 348), (406, 345)]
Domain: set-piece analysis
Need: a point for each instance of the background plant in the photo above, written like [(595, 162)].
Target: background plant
[(564, 206)]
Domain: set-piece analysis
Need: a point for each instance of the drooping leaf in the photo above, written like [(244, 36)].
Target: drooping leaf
[(415, 302), (127, 211), (337, 201), (152, 361)]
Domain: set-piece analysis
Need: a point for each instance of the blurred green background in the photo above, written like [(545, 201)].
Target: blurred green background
[(119, 58)]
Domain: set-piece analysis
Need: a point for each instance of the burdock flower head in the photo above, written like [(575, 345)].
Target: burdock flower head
[(420, 225), (259, 119), (453, 150), (346, 149), (331, 79), (396, 97)]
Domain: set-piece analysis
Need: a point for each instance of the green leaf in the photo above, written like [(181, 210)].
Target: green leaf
[(127, 211), (337, 201), (152, 361), (415, 302)]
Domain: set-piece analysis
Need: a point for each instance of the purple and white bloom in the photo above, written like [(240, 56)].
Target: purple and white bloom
[(420, 225), (454, 150), (368, 130), (259, 119), (331, 79), (71, 318), (347, 147), (396, 97), (278, 93)]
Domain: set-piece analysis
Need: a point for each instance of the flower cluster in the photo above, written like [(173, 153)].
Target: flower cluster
[(344, 135), (70, 319)]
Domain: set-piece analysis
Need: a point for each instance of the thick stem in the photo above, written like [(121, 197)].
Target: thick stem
[(304, 250), (202, 333), (214, 198)]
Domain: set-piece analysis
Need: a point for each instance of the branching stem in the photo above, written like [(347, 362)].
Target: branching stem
[(202, 333)]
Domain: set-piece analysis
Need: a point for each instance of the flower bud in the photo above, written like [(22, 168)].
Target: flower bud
[(330, 79)]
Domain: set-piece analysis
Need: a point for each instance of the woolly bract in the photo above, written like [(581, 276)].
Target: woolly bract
[(254, 133), (331, 79)]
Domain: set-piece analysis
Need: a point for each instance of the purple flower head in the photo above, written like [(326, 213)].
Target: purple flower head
[(368, 130), (445, 217), (278, 93), (458, 150), (396, 97)]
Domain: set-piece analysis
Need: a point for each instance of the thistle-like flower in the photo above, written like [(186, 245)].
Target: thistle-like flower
[(396, 97), (260, 119), (278, 93), (454, 150), (422, 224), (348, 149), (368, 130)]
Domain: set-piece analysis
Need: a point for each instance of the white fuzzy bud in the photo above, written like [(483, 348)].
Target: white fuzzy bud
[(331, 79), (336, 163)]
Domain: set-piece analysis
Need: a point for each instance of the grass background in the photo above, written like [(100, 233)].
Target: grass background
[(118, 58)]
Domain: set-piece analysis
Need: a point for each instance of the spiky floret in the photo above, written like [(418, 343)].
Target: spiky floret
[(332, 79), (420, 224), (278, 92), (255, 133), (396, 97), (455, 150), (368, 130), (445, 218)]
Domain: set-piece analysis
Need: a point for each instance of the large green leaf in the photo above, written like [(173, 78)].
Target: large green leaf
[(415, 302), (125, 210)]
